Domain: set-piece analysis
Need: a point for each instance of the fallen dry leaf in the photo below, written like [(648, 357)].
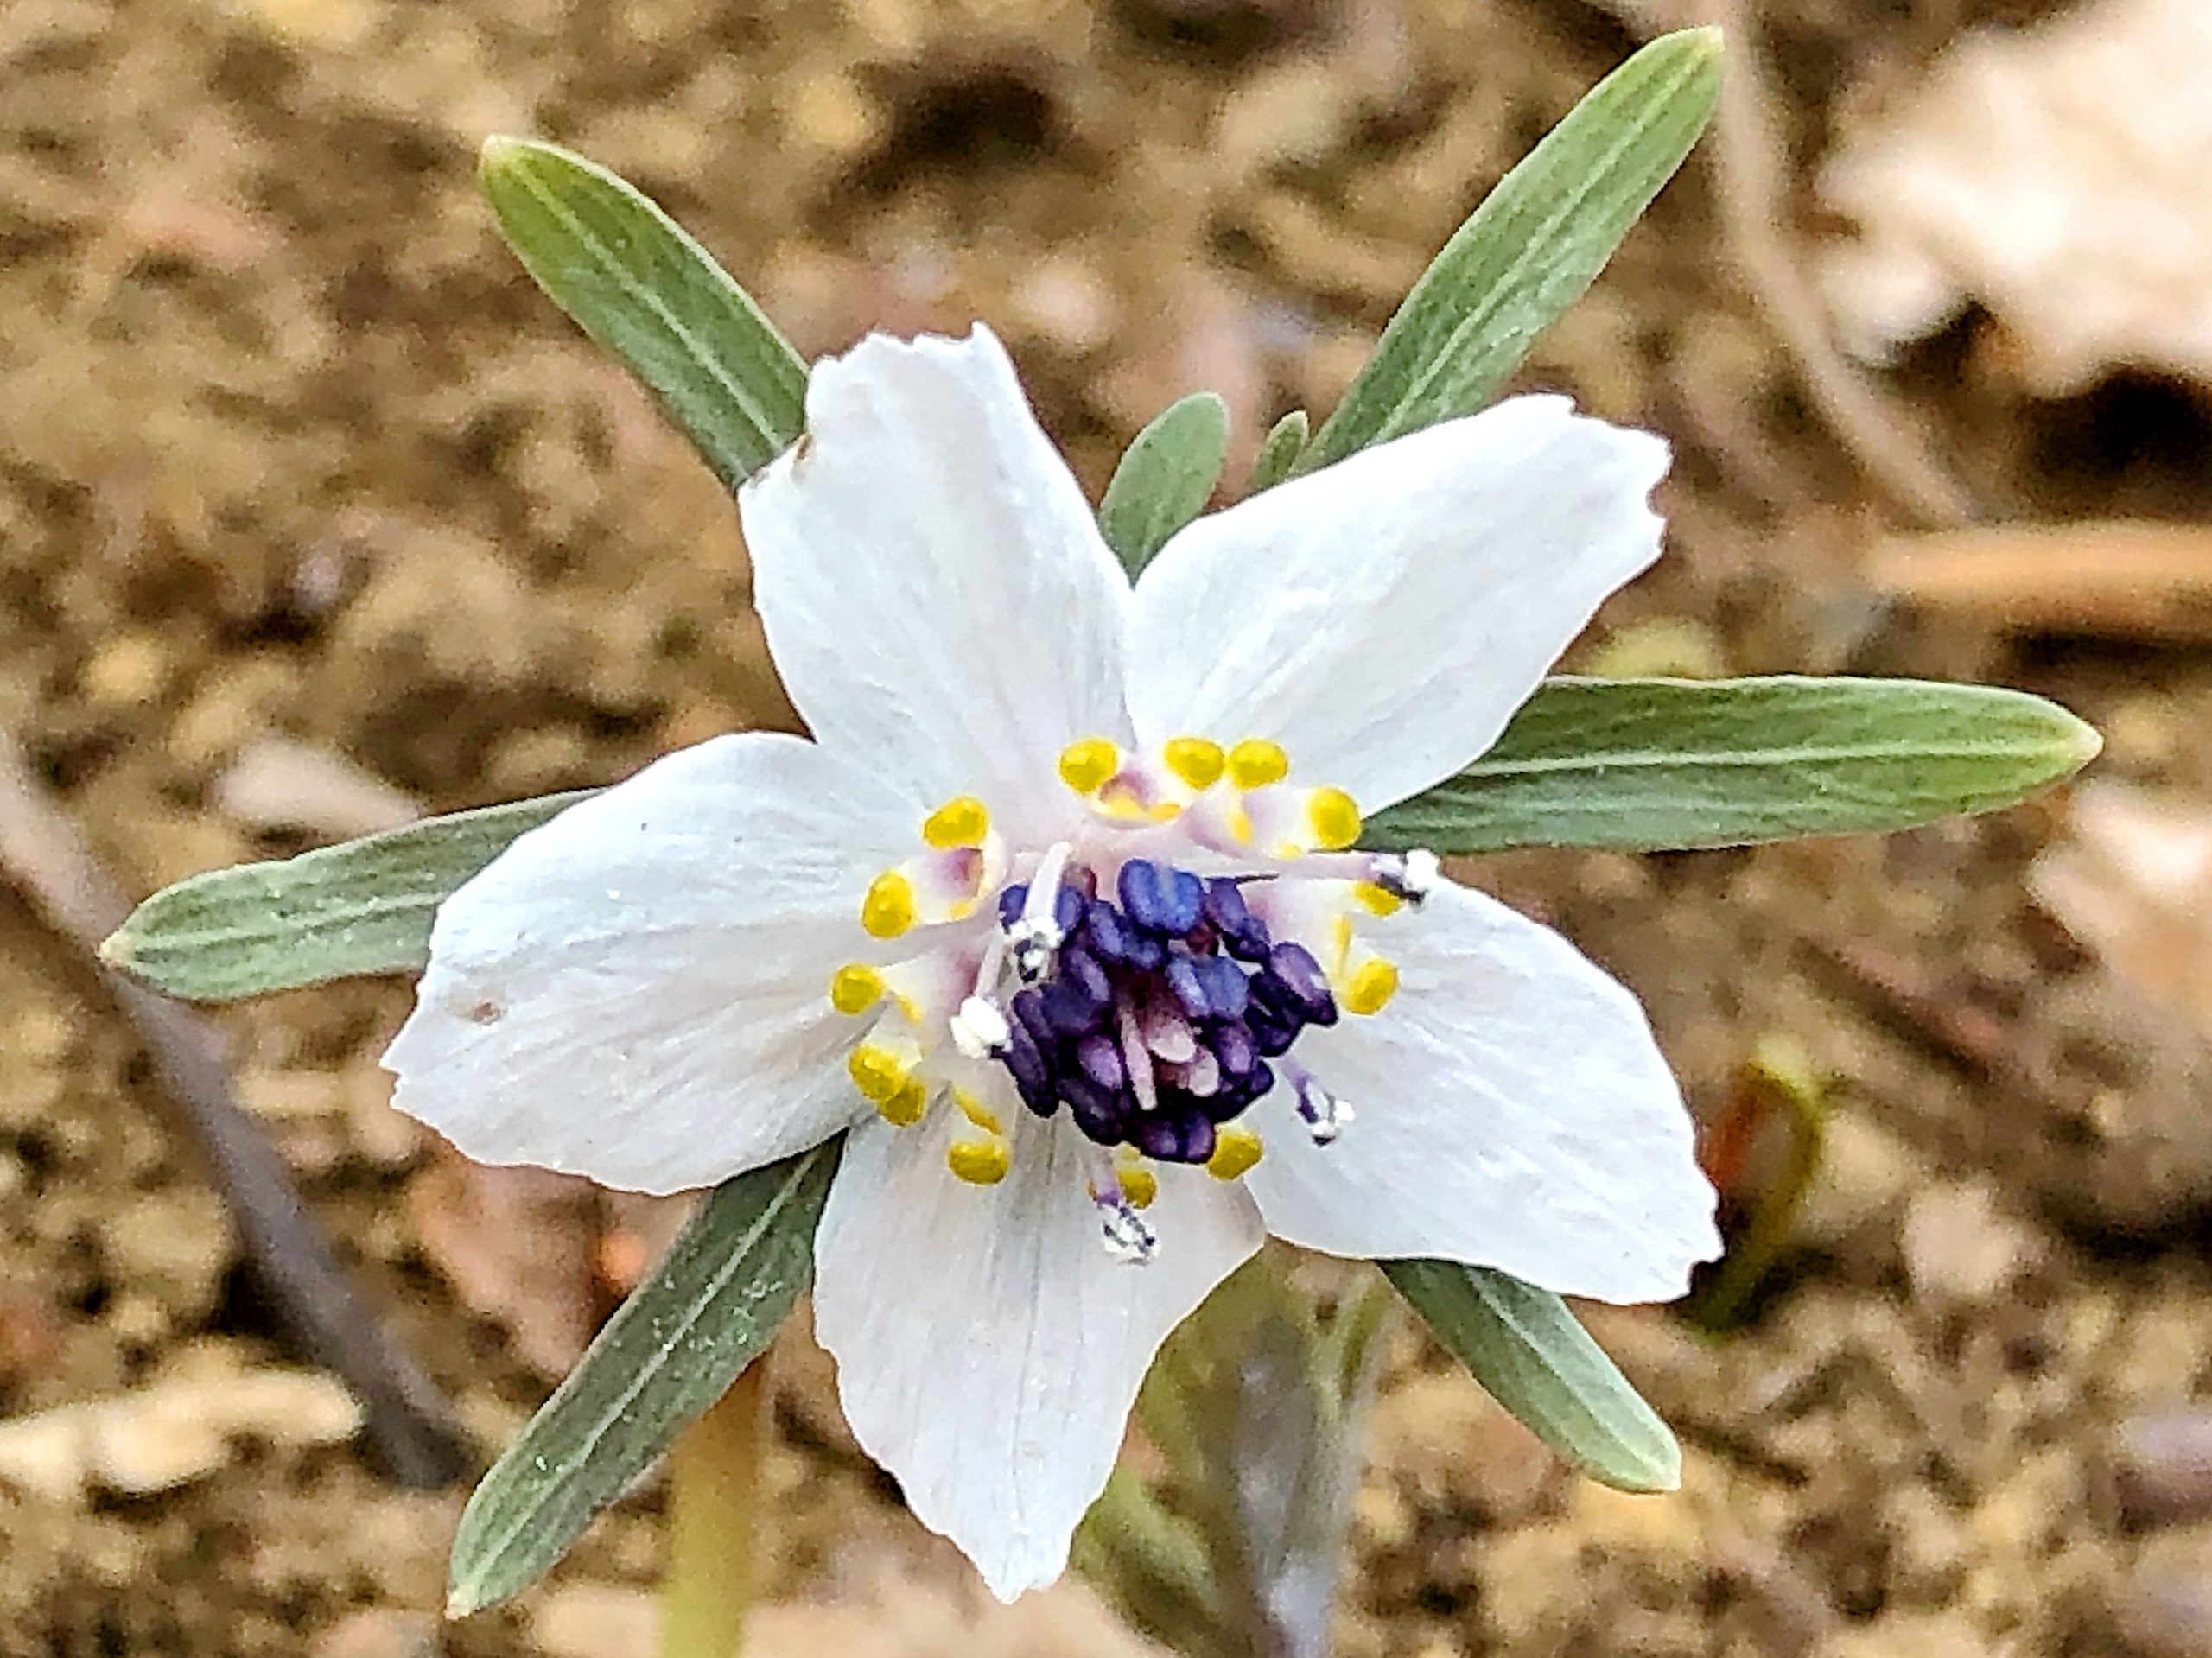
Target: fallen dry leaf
[(2133, 881), (1960, 1245), (893, 1617), (280, 783), (2121, 579), (2051, 175), (172, 1432), (520, 1246)]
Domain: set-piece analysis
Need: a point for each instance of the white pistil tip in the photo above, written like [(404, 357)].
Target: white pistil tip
[(1129, 1240), (980, 1030), (1032, 944), (1420, 873), (1326, 1116)]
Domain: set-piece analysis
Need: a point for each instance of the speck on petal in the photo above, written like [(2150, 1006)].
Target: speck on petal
[(988, 1349), (1514, 1112), (638, 991), (936, 593), (1382, 618)]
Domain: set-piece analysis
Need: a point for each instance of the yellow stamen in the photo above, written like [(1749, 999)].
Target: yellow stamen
[(1139, 1185), (888, 909), (979, 1162), (903, 1109), (1238, 822), (1256, 762), (962, 821), (856, 988), (1235, 1152), (877, 1072), (1195, 760), (1340, 947), (1334, 818), (1086, 765), (1378, 901), (1371, 987), (976, 1112)]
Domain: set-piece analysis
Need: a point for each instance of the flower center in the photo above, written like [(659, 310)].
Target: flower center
[(1165, 1002), (1150, 975)]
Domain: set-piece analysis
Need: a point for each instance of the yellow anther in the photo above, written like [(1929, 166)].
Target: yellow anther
[(976, 1112), (979, 1162), (856, 988), (1086, 765), (1195, 760), (888, 909), (904, 1108), (1371, 986), (1377, 900), (1256, 762), (1139, 1185), (1334, 818), (1238, 822), (1235, 1152), (962, 821), (877, 1072)]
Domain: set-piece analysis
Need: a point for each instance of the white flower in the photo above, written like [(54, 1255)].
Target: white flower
[(1055, 915)]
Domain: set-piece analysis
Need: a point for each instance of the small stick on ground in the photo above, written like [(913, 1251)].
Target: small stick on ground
[(1749, 152), (410, 1430)]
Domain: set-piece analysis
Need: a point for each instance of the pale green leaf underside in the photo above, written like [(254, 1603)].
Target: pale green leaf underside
[(708, 1309), (1632, 765), (1165, 479), (364, 906), (1530, 249), (1655, 765), (640, 286), (1526, 1349)]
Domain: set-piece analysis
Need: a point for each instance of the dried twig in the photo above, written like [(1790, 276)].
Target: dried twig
[(410, 1430), (1749, 152), (2116, 579)]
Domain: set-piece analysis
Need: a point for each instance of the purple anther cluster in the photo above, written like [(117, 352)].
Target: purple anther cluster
[(1163, 1006)]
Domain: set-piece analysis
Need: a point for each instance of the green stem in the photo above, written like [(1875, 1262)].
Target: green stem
[(714, 1469)]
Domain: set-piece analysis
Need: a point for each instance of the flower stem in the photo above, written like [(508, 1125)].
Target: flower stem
[(714, 1469)]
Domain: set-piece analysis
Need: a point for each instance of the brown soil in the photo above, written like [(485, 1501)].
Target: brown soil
[(288, 444)]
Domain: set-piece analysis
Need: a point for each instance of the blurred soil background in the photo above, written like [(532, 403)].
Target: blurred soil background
[(314, 514)]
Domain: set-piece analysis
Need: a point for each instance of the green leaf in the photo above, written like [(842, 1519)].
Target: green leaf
[(1285, 442), (1166, 479), (647, 292), (1656, 764), (1526, 1349), (1529, 251), (709, 1308), (363, 906)]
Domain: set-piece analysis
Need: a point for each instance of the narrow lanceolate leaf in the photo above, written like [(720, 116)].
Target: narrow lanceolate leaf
[(709, 1308), (363, 906), (1526, 1349), (1166, 479), (646, 291), (1659, 765), (1529, 251), (1285, 442)]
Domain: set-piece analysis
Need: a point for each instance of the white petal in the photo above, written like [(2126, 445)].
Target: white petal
[(1513, 1111), (935, 590), (1382, 618), (987, 1348), (638, 991)]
